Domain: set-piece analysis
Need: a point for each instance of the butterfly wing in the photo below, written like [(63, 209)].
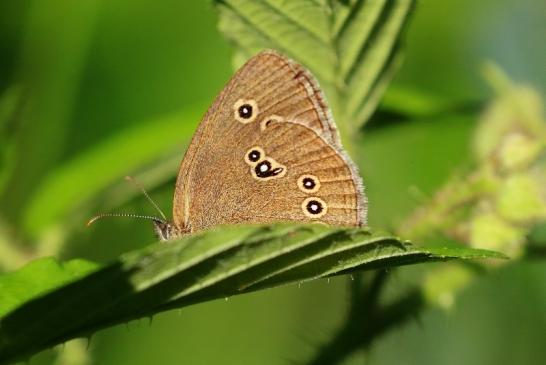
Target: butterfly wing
[(274, 108), (283, 87)]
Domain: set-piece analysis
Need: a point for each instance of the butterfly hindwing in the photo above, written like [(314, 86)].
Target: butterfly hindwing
[(287, 173)]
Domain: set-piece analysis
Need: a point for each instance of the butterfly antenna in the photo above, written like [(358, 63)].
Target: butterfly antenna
[(141, 188), (127, 215)]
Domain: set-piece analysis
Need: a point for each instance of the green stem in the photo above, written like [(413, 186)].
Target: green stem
[(367, 321), (440, 213)]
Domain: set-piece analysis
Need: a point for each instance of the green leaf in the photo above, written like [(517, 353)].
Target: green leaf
[(50, 81), (350, 46), (412, 103), (215, 264), (11, 101), (536, 241), (71, 185), (37, 278)]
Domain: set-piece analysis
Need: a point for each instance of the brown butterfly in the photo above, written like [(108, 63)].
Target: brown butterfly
[(266, 151)]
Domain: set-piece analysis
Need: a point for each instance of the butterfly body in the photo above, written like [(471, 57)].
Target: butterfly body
[(266, 151)]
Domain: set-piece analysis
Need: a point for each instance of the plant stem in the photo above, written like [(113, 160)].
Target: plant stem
[(441, 212), (367, 321)]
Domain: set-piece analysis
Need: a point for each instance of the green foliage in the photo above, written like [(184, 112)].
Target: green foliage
[(37, 278), (504, 195), (76, 182), (49, 94), (217, 264), (351, 47), (10, 102)]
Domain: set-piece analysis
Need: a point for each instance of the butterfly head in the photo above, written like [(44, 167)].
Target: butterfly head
[(165, 231)]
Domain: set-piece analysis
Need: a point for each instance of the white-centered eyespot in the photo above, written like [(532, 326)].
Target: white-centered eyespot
[(254, 155), (314, 207), (308, 183), (245, 110), (267, 169), (267, 120)]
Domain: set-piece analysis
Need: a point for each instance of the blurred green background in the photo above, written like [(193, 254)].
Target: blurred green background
[(102, 89)]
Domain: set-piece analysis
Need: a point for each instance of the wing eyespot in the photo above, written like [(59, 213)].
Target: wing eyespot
[(265, 169), (262, 167), (314, 207), (245, 111), (268, 120), (268, 169), (254, 155), (309, 184)]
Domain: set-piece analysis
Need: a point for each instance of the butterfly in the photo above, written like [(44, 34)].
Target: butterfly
[(266, 151)]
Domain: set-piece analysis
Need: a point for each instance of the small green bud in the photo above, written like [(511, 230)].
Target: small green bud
[(520, 199), (490, 231), (518, 151), (442, 284)]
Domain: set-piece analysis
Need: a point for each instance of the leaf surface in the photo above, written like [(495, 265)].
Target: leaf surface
[(352, 47), (50, 303)]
